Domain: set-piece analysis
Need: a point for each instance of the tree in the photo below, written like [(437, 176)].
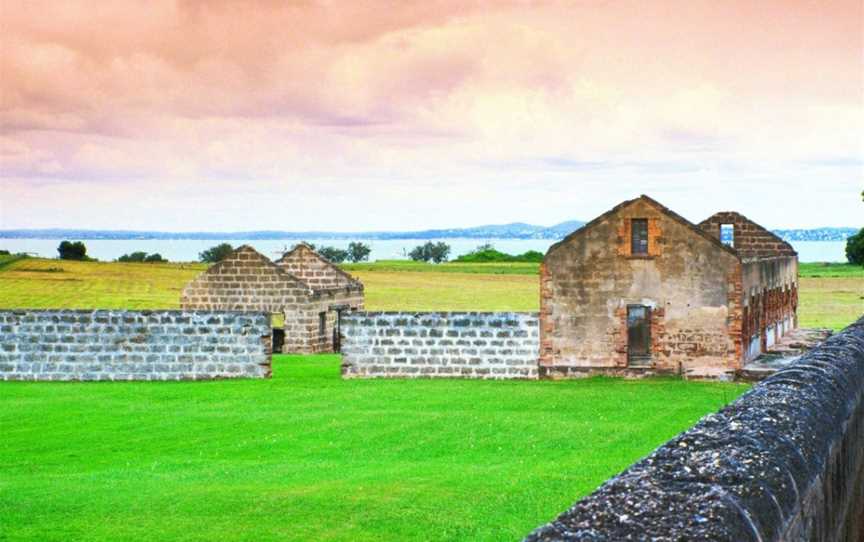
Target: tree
[(430, 252), (155, 258), (216, 254), (439, 252), (358, 252), (72, 251), (855, 248), (333, 254), (419, 254)]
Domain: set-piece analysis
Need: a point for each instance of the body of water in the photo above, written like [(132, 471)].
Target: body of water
[(182, 250)]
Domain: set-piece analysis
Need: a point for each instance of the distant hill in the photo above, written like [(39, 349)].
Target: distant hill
[(515, 230), (817, 234)]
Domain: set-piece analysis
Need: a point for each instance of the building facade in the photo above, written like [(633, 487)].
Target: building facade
[(642, 290), (335, 293), (299, 291)]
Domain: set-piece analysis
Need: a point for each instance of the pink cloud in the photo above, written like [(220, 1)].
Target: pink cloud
[(158, 92)]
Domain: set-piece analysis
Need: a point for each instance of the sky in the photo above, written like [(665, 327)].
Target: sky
[(404, 115)]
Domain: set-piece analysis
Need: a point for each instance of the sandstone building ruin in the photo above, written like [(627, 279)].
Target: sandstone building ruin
[(640, 289), (307, 290)]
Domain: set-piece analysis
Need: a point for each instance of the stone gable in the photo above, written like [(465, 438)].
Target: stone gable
[(245, 281), (315, 270), (750, 239)]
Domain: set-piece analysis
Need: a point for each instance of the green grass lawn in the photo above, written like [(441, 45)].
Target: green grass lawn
[(308, 456)]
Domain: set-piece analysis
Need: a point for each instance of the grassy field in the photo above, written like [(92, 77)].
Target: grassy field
[(830, 269), (43, 283), (831, 295), (307, 455)]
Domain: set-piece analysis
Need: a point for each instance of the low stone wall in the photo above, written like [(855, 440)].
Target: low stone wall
[(440, 344), (784, 462), (133, 345)]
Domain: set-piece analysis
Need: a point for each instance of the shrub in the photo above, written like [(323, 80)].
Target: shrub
[(139, 257), (333, 254), (358, 252), (133, 257), (488, 253), (216, 254), (4, 253), (72, 251), (855, 248)]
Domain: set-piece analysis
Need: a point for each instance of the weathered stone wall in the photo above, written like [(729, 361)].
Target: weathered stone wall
[(326, 301), (770, 288), (310, 267), (785, 462), (749, 239), (691, 282), (332, 288), (133, 345), (249, 281), (440, 344), (245, 281)]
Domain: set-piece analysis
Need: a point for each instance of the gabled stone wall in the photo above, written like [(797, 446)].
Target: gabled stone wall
[(133, 345), (310, 267), (690, 281), (249, 281), (245, 281), (750, 239)]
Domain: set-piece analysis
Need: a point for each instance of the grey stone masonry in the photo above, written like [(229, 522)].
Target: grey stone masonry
[(133, 345), (783, 463), (486, 345)]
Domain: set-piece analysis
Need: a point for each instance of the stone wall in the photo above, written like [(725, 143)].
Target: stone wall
[(324, 302), (304, 263), (249, 281), (770, 287), (749, 238), (133, 345), (785, 462), (689, 280), (245, 281), (440, 345)]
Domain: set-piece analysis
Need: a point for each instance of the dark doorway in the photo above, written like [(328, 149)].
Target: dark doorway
[(278, 340), (337, 327), (638, 334)]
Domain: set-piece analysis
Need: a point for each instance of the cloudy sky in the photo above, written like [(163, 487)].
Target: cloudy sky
[(361, 115)]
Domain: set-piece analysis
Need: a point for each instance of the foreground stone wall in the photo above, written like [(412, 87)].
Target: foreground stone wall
[(440, 344), (133, 345), (784, 462)]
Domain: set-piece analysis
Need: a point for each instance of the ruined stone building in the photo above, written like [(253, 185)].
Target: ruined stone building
[(307, 291), (640, 289)]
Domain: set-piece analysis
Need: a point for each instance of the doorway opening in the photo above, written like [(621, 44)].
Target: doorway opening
[(638, 335)]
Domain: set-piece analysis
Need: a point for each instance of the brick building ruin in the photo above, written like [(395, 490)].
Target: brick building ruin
[(642, 290), (308, 291)]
